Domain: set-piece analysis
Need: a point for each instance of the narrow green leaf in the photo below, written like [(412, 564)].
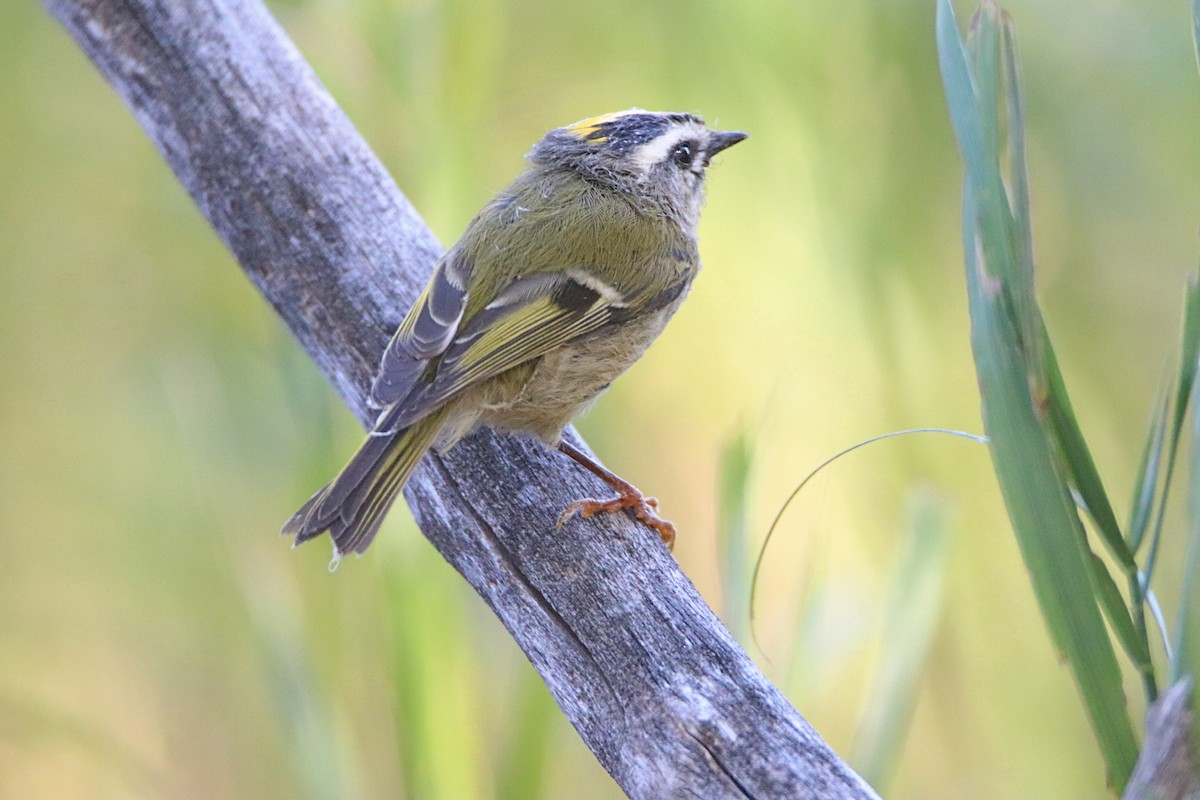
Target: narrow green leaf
[(1144, 508), (1187, 374), (967, 115), (1117, 614), (1147, 477), (1190, 348), (1127, 621), (1048, 530), (1018, 171), (1081, 466), (995, 218), (960, 90), (1042, 362), (1021, 228), (1050, 534), (1145, 489), (983, 43), (1187, 631)]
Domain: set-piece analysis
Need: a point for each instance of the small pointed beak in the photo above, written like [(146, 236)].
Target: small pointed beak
[(720, 140)]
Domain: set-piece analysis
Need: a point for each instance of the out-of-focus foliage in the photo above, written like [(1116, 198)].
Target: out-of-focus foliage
[(157, 424)]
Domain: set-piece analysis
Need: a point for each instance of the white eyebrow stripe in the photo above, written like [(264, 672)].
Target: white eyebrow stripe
[(654, 151)]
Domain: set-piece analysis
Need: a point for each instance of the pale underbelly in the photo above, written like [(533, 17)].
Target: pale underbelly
[(562, 385)]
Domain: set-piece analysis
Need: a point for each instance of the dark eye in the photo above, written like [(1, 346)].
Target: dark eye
[(682, 155)]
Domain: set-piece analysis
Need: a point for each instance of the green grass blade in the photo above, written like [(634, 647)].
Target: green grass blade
[(1042, 361), (960, 91), (995, 220), (1189, 350), (1117, 614), (1007, 345), (974, 130), (983, 45), (1080, 465), (1146, 485), (1018, 173), (1187, 632), (997, 24), (1048, 530), (913, 609), (1187, 640)]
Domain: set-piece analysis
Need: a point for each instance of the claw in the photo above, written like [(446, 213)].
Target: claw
[(642, 507), (628, 498)]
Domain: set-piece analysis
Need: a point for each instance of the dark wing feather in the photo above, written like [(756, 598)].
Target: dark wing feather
[(426, 331)]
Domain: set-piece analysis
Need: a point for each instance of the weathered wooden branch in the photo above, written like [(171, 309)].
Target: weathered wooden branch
[(655, 685), (1167, 768)]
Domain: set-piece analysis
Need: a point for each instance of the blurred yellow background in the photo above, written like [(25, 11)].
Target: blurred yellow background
[(158, 423)]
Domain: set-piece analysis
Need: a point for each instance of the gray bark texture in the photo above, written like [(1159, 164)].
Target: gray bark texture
[(658, 689), (1167, 768)]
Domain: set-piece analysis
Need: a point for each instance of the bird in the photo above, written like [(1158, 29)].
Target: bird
[(557, 286)]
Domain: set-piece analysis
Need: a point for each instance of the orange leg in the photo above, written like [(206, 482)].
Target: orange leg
[(628, 497)]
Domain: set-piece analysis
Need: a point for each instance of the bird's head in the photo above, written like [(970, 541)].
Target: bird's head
[(657, 157)]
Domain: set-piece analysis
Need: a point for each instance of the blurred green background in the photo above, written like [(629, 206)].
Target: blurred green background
[(157, 423)]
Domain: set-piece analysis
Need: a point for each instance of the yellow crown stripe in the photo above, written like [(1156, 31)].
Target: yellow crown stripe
[(587, 127)]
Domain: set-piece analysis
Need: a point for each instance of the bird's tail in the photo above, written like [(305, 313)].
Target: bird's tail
[(354, 503)]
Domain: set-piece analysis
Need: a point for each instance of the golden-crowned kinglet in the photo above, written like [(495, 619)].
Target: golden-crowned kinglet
[(558, 285)]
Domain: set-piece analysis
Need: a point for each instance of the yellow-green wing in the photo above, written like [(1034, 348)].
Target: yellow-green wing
[(530, 318)]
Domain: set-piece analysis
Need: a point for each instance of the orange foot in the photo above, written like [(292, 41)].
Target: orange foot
[(644, 508)]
